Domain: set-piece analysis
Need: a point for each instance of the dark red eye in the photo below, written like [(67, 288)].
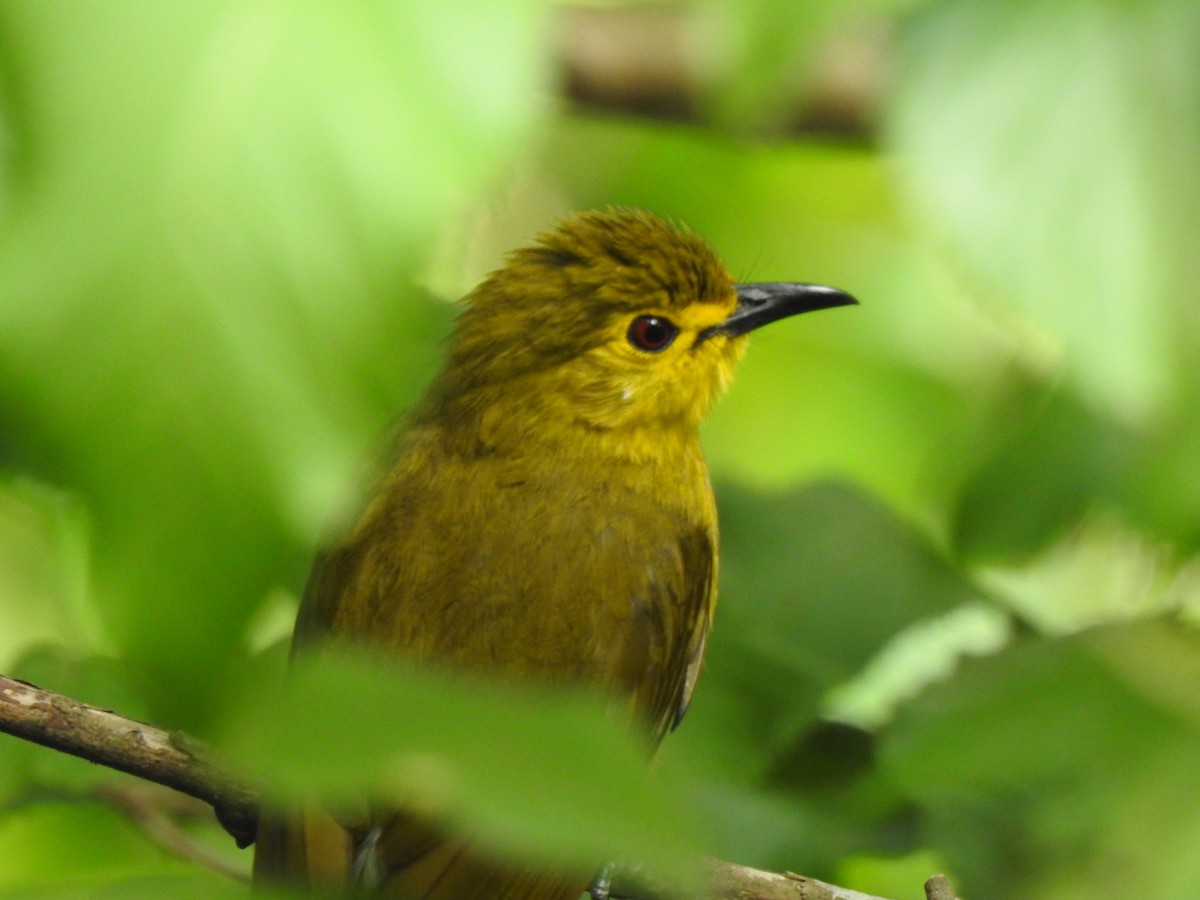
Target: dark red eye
[(652, 333)]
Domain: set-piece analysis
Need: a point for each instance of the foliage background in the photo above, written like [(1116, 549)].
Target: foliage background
[(960, 522)]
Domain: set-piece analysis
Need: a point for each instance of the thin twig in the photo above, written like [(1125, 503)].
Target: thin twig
[(729, 881), (157, 812)]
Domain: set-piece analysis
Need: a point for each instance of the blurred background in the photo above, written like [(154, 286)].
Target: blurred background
[(959, 591)]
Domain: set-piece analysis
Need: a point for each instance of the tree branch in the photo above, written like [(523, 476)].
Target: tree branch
[(177, 761), (729, 881), (101, 736)]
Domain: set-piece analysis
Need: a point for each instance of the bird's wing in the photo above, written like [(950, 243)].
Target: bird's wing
[(677, 623)]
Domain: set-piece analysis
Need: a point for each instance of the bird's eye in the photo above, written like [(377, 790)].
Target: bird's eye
[(652, 333)]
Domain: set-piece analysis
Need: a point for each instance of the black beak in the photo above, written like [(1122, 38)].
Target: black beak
[(760, 304)]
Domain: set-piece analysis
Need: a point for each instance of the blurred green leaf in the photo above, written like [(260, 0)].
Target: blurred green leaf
[(531, 772), (1102, 571), (1062, 768), (207, 306), (175, 887), (833, 772), (1049, 460), (1163, 493), (814, 583), (823, 576), (44, 571), (70, 849), (1053, 146)]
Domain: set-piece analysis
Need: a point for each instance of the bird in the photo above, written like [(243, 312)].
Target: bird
[(547, 517)]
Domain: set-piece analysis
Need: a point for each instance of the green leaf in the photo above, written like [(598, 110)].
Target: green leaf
[(535, 773), (814, 583), (1163, 493), (175, 887), (1053, 146), (825, 575), (207, 308), (64, 850), (1063, 768), (1050, 459), (44, 556)]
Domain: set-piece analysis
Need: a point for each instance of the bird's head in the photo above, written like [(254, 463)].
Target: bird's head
[(614, 321)]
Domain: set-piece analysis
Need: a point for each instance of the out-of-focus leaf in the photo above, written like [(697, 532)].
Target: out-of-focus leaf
[(923, 653), (1102, 571), (1054, 146), (1164, 488), (206, 306), (833, 772), (197, 886), (1063, 768), (1051, 459), (534, 773), (814, 583), (824, 576), (44, 576), (65, 849)]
